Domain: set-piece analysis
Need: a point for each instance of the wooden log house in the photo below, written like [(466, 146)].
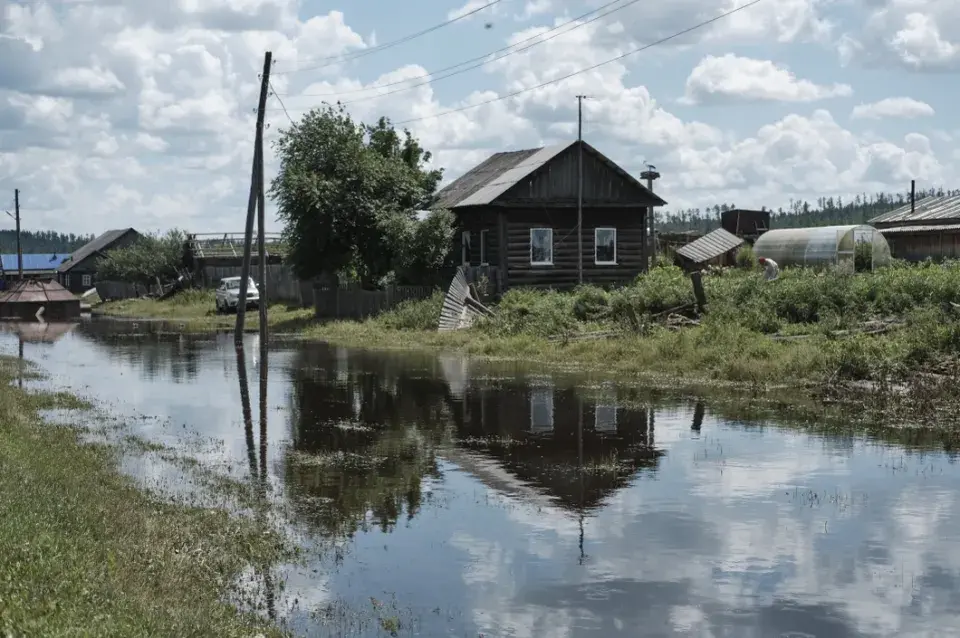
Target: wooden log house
[(517, 216)]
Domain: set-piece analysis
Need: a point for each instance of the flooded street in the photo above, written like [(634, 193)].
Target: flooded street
[(442, 497)]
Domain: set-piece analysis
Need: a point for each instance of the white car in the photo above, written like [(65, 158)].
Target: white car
[(228, 294)]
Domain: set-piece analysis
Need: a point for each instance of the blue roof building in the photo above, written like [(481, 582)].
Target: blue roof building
[(32, 263)]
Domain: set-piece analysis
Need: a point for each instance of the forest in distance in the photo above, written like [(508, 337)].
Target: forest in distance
[(41, 241), (826, 211)]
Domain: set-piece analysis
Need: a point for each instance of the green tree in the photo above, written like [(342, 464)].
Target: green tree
[(348, 194), (149, 257)]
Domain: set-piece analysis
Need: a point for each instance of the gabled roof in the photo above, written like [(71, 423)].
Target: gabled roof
[(500, 172), (100, 244), (711, 245), (928, 209), (33, 261)]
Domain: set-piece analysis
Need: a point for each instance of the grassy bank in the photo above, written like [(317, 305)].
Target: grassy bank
[(805, 328), (83, 552), (197, 309)]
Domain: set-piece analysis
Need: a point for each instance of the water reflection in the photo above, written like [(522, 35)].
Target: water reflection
[(549, 505)]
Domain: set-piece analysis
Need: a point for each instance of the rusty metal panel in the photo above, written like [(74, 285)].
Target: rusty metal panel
[(710, 246), (946, 207)]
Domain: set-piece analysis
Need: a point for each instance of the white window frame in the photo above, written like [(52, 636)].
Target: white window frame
[(596, 244), (66, 281), (465, 248), (86, 280), (483, 247), (549, 262), (542, 397)]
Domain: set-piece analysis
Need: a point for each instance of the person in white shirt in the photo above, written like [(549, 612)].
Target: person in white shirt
[(770, 268)]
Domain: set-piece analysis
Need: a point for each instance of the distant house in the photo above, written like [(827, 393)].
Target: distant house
[(929, 228), (35, 266), (78, 273), (517, 216)]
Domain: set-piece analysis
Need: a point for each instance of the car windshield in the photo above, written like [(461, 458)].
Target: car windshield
[(234, 284)]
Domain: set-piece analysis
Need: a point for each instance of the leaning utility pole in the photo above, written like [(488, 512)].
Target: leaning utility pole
[(264, 294), (255, 188), (16, 209), (580, 187)]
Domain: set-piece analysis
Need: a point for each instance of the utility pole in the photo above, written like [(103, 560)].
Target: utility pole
[(580, 187), (255, 189), (264, 297), (16, 209)]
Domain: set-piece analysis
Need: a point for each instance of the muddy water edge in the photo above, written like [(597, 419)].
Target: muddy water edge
[(434, 495)]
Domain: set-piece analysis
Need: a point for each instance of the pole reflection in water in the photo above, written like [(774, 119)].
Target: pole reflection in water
[(258, 474), (20, 362)]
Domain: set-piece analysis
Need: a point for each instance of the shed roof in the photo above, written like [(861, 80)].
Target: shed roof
[(31, 291), (928, 209), (711, 245), (906, 230), (500, 172), (33, 261), (101, 243)]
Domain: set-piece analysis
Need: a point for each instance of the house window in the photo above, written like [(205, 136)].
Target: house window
[(86, 280), (541, 246), (483, 247), (606, 418), (541, 409), (605, 246), (465, 248)]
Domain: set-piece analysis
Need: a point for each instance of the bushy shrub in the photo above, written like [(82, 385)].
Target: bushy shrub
[(591, 303), (532, 312), (746, 258), (415, 314)]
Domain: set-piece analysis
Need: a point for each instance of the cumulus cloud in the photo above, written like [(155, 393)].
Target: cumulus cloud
[(142, 113), (734, 78), (902, 107)]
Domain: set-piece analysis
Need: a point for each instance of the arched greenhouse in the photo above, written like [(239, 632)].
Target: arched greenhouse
[(822, 246)]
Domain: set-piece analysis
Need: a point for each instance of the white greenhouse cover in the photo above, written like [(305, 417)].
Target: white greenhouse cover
[(820, 246)]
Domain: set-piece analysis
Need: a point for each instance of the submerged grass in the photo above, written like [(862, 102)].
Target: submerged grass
[(83, 552)]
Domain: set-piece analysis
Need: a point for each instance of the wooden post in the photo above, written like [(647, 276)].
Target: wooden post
[(580, 188), (264, 292), (698, 291), (252, 203)]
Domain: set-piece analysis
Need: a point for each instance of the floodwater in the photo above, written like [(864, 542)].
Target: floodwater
[(443, 497)]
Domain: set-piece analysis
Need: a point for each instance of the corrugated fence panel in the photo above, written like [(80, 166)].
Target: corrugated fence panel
[(350, 302), (114, 290)]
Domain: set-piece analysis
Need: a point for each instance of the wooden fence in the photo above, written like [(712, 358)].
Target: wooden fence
[(348, 301), (114, 290)]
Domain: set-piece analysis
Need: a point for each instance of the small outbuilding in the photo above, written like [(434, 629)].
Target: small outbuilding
[(35, 266), (24, 300), (517, 218), (822, 246), (748, 224), (717, 248)]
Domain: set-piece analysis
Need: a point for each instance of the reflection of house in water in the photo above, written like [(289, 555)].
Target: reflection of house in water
[(543, 434)]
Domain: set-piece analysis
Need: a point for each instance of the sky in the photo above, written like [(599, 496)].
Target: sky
[(118, 113)]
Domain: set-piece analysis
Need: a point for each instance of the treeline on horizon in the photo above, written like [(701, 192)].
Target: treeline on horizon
[(41, 241), (826, 211)]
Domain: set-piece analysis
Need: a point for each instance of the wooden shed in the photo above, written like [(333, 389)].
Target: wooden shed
[(78, 273), (927, 228), (517, 216)]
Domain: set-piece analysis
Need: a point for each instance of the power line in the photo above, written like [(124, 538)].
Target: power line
[(337, 59), (575, 73), (276, 95), (482, 58)]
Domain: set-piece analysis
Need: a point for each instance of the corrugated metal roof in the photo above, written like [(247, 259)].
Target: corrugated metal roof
[(103, 242), (899, 230), (711, 245), (33, 261), (30, 291), (926, 209), (496, 175)]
